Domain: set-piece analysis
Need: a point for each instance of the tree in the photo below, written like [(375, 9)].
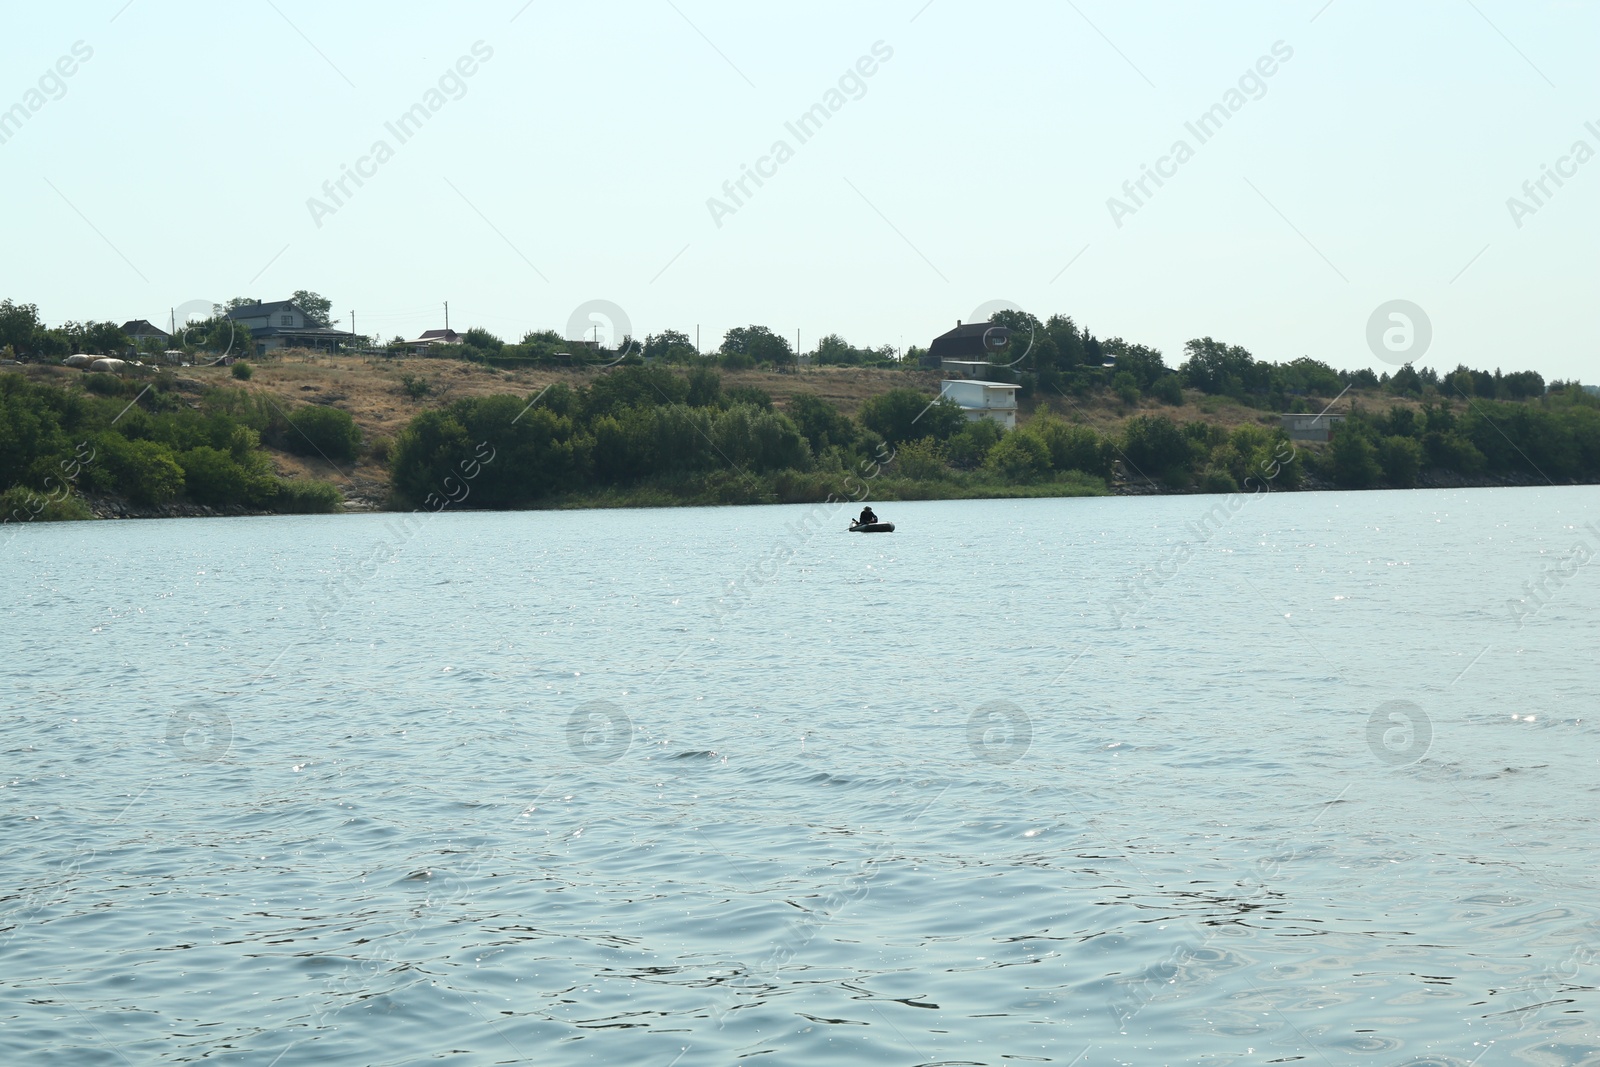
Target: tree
[(907, 415), (482, 340), (1019, 457), (1308, 376), (19, 326), (1222, 369), (822, 423), (1154, 446), (1353, 458), (834, 349), (105, 337), (1141, 361), (1072, 447), (759, 344), (1405, 382), (218, 334), (316, 307), (219, 310), (1401, 458), (705, 388), (646, 386), (670, 346)]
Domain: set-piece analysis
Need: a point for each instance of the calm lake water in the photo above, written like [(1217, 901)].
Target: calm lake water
[(1107, 781)]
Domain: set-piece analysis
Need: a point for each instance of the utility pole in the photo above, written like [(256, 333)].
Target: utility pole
[(697, 338), (352, 320), (447, 316)]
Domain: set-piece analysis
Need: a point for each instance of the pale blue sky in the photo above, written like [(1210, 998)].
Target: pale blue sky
[(977, 164)]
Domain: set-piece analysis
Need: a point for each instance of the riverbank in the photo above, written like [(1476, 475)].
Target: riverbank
[(209, 442), (882, 491)]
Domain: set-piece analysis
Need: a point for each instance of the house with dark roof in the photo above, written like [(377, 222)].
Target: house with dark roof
[(964, 351), (141, 330), (282, 324)]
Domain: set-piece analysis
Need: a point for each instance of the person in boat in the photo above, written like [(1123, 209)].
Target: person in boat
[(867, 517)]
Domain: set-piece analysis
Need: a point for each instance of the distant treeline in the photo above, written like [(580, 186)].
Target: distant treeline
[(1059, 356), (1047, 357), (1556, 438), (652, 434), (146, 445)]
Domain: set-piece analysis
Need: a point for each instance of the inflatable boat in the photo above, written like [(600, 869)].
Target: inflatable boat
[(871, 527)]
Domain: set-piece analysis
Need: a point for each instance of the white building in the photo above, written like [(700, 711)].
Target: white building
[(983, 400)]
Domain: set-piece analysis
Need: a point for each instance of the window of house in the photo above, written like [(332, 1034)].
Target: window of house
[(286, 320)]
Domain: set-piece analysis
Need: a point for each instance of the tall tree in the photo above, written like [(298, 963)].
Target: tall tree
[(673, 346), (758, 343), (316, 307), (219, 310), (19, 323)]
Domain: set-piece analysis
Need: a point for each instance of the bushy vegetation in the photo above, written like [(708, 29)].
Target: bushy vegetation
[(328, 432), (60, 444), (1555, 439), (648, 433)]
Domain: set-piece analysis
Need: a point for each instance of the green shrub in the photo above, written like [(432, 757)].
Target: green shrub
[(970, 446), (1073, 447), (1019, 457), (1217, 480), (415, 386), (242, 371), (747, 394), (1126, 386), (217, 479), (1351, 459), (921, 460), (143, 471), (1448, 449), (705, 387), (18, 504), (1156, 447), (823, 424), (1168, 389), (304, 496), (315, 430), (102, 383), (908, 415), (1401, 458)]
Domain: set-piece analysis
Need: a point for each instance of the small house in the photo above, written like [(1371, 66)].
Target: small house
[(140, 330), (1313, 429)]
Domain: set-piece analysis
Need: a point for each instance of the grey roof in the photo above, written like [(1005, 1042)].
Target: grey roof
[(142, 327)]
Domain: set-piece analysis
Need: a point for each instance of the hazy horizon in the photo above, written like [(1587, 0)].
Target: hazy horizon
[(1267, 175)]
